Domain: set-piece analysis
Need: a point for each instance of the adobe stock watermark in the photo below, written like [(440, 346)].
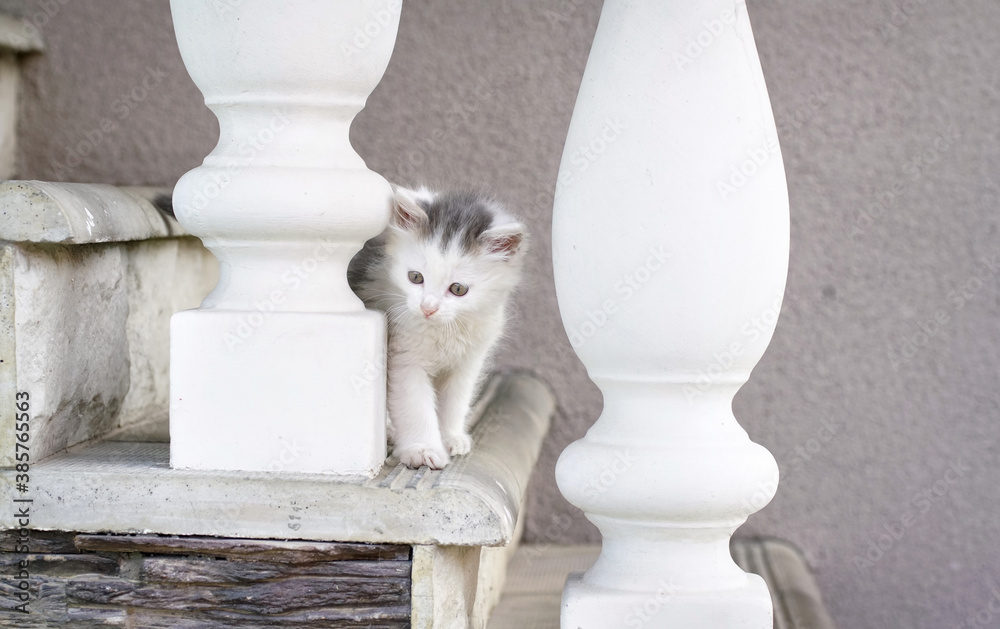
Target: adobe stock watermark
[(588, 153), (222, 7), (249, 322), (370, 31), (288, 453), (563, 12), (920, 504), (552, 535), (226, 515), (798, 458), (914, 170), (123, 106), (984, 616), (899, 17), (743, 172), (47, 9), (788, 121), (624, 289), (249, 148), (370, 372), (912, 342), (494, 419), (696, 46), (640, 615), (462, 109), (804, 453), (723, 360), (623, 462)]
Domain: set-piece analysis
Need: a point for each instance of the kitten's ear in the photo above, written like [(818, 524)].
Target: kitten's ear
[(407, 212), (505, 240)]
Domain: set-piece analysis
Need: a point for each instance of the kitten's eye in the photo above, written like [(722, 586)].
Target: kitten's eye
[(458, 289), (415, 277)]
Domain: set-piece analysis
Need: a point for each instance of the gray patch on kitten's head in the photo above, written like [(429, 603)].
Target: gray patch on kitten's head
[(458, 217), (475, 223)]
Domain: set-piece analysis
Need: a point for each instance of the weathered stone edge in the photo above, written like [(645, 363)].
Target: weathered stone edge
[(472, 503), (81, 213)]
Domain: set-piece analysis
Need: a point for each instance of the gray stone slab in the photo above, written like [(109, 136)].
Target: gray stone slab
[(116, 487), (86, 335), (70, 351)]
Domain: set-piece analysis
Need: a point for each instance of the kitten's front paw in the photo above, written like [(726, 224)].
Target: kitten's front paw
[(458, 444), (420, 454)]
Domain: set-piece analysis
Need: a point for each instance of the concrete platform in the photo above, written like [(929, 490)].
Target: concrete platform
[(119, 487)]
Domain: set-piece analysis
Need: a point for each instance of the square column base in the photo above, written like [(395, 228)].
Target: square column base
[(587, 607), (278, 391)]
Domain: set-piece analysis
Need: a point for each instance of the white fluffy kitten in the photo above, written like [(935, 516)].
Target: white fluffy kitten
[(442, 272)]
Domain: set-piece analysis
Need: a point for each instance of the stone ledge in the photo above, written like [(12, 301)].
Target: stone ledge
[(116, 487), (78, 213)]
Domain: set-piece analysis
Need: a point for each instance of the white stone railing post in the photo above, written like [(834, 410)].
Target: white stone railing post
[(670, 247), (282, 368)]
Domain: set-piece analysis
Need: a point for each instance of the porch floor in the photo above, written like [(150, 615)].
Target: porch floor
[(536, 574)]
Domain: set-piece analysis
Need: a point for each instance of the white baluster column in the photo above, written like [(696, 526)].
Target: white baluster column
[(670, 247), (282, 368)]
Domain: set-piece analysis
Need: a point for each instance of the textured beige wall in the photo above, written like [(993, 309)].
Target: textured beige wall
[(888, 117)]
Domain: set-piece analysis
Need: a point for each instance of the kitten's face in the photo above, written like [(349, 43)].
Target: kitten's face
[(452, 263), (440, 286)]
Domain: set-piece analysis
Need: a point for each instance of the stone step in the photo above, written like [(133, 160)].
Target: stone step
[(457, 528), (120, 487)]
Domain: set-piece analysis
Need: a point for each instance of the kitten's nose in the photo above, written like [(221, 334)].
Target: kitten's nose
[(428, 310)]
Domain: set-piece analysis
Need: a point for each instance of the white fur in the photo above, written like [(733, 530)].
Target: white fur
[(435, 361)]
